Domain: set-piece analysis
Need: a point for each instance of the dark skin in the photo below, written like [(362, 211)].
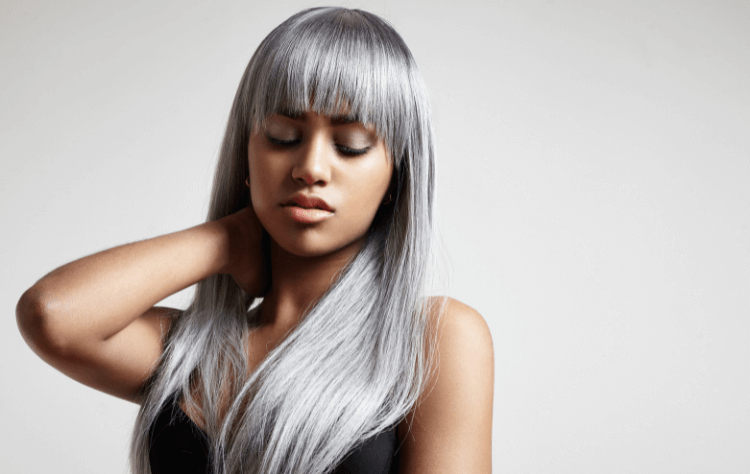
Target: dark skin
[(94, 319), (346, 165)]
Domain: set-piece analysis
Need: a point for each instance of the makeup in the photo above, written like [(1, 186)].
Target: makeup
[(307, 216)]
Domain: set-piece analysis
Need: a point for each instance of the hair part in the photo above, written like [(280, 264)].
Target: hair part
[(370, 333)]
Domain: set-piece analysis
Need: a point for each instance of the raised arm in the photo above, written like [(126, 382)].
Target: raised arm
[(93, 319)]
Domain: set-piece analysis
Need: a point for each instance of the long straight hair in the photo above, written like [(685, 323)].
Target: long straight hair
[(360, 357)]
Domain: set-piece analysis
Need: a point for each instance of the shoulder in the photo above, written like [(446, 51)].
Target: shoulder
[(462, 338), (464, 349), (450, 429), (459, 326)]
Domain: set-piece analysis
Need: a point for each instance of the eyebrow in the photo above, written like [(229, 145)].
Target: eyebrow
[(335, 120)]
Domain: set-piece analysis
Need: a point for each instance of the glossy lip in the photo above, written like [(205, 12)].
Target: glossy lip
[(307, 209), (308, 202), (307, 216)]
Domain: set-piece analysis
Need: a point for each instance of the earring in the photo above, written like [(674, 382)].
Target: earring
[(388, 201), (247, 181)]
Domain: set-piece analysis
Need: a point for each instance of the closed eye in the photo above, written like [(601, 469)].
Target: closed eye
[(343, 149), (352, 151), (284, 143)]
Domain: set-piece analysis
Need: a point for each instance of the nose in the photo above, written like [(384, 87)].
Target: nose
[(313, 163)]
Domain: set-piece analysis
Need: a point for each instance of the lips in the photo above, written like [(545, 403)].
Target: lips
[(308, 202), (307, 209)]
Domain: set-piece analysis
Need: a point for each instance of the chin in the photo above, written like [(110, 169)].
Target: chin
[(310, 241), (303, 250), (311, 244), (303, 243)]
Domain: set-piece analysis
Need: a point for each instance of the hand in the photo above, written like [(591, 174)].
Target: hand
[(244, 259)]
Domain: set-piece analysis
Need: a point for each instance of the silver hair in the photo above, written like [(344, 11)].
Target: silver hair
[(358, 361)]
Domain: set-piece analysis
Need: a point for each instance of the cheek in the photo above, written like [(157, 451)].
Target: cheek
[(262, 182), (374, 176), (260, 200), (260, 195), (371, 189), (381, 180)]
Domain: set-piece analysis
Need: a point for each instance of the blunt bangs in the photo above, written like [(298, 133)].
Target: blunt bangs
[(336, 63)]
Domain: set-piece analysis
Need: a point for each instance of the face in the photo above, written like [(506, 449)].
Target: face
[(316, 181)]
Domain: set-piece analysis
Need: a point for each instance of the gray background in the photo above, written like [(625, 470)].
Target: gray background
[(594, 186)]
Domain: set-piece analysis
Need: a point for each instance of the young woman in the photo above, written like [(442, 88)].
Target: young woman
[(310, 345)]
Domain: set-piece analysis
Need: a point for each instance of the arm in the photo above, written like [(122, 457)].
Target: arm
[(93, 319), (450, 430)]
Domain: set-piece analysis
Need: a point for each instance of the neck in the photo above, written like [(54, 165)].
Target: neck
[(298, 282)]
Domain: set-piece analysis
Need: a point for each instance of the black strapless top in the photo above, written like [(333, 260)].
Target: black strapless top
[(178, 445)]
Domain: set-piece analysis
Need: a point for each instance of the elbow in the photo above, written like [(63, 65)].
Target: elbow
[(33, 318)]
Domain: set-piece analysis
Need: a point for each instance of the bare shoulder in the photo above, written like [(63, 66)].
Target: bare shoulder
[(450, 429), (461, 329), (463, 338), (465, 353)]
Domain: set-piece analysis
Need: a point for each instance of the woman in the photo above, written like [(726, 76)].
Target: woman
[(322, 212)]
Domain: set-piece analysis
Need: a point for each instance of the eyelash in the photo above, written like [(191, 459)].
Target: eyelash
[(343, 149)]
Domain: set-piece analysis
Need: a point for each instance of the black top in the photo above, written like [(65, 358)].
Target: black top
[(178, 445)]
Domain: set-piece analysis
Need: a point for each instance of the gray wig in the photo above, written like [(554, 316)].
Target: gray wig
[(359, 359)]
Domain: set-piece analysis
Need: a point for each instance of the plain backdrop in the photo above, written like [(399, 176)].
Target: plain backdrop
[(593, 186)]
